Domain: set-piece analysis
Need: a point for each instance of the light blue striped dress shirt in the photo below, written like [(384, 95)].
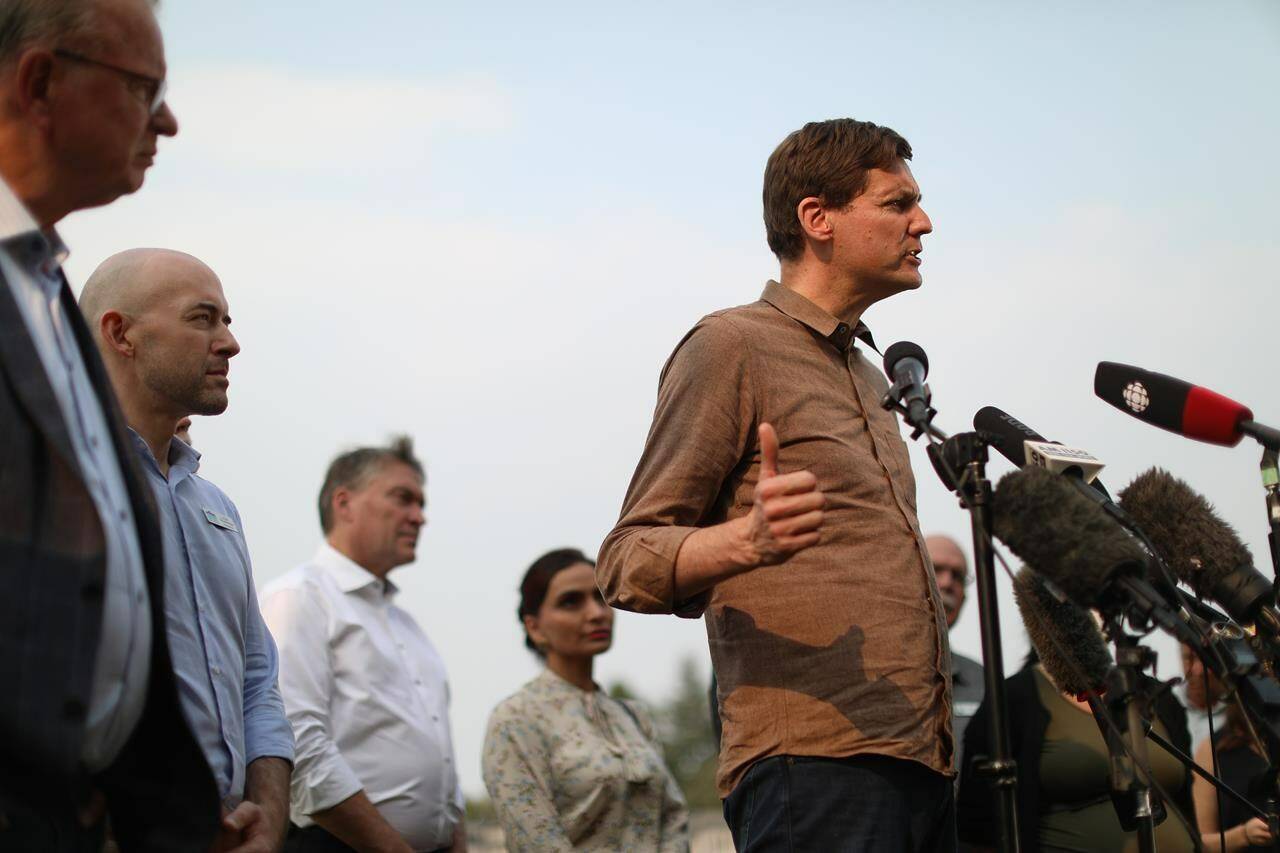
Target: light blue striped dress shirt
[(223, 655)]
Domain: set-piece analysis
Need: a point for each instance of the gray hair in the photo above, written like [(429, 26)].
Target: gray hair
[(351, 470), (45, 22)]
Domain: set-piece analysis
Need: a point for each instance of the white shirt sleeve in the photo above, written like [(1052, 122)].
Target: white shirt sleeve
[(299, 622)]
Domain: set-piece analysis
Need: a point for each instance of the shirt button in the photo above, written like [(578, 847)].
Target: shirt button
[(217, 671), (138, 597), (417, 682), (93, 441)]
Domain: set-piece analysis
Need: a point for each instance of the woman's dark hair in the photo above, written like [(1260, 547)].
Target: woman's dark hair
[(1236, 732), (537, 580)]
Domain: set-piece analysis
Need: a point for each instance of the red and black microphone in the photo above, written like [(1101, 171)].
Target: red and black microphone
[(1171, 404)]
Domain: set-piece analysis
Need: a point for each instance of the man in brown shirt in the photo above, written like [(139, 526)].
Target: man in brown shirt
[(776, 496)]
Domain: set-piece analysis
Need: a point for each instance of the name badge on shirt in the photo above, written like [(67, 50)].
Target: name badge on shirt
[(217, 519)]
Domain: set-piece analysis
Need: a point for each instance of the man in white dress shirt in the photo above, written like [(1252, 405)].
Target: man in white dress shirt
[(365, 690)]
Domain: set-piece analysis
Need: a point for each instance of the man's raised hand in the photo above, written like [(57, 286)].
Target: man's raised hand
[(787, 515)]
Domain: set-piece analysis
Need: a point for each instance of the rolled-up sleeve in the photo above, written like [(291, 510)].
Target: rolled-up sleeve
[(321, 777), (703, 427), (267, 733)]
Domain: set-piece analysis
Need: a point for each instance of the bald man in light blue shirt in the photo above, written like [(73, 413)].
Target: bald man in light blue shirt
[(161, 322)]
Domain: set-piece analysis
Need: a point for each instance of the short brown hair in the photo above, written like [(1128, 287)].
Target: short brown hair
[(353, 469), (829, 161)]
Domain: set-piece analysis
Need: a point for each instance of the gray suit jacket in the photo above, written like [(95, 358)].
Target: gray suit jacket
[(160, 792)]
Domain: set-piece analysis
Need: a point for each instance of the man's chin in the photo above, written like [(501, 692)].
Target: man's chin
[(214, 403)]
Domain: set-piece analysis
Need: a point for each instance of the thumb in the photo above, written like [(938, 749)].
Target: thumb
[(243, 815), (768, 451)]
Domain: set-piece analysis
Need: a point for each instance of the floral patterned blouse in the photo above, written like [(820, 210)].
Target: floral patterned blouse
[(569, 769)]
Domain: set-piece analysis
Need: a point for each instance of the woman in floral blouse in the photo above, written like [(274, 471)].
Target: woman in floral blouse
[(567, 766)]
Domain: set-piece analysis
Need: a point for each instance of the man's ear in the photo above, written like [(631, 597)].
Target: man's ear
[(34, 84), (813, 219), (340, 504), (113, 331)]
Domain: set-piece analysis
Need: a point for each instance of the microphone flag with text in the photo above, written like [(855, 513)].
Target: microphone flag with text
[(1023, 446)]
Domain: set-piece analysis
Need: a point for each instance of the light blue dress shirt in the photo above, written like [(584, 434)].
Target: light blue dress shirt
[(223, 655), (31, 262)]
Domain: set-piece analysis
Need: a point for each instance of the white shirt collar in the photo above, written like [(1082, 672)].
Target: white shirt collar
[(16, 221), (347, 573)]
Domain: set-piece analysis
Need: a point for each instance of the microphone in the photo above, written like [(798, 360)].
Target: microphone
[(907, 365), (1171, 404), (1064, 635), (1074, 544), (1023, 446), (1202, 549)]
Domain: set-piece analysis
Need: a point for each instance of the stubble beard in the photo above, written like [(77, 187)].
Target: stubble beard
[(186, 390)]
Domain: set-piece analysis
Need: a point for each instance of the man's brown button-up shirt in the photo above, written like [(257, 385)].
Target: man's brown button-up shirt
[(841, 649)]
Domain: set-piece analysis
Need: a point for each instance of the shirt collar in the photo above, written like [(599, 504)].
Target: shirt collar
[(183, 458), (554, 683), (802, 310), (17, 222), (348, 574)]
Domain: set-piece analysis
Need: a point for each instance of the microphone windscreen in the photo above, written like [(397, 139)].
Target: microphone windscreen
[(1065, 636), (1007, 434), (904, 349), (1067, 537), (1170, 403), (1201, 549)]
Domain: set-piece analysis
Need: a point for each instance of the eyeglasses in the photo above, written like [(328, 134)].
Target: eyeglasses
[(963, 575), (153, 88)]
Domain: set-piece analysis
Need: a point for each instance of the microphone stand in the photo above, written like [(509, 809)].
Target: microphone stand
[(1269, 438), (1131, 705), (966, 453), (1131, 792), (960, 461), (1271, 483)]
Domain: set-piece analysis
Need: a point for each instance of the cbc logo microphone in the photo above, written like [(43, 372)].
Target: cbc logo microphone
[(1136, 397)]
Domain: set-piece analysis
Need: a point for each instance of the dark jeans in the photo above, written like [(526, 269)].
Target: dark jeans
[(842, 805)]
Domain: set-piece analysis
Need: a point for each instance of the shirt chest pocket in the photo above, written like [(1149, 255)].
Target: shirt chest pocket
[(220, 571), (383, 664)]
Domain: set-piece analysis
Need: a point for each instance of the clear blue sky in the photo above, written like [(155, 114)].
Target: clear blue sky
[(488, 224)]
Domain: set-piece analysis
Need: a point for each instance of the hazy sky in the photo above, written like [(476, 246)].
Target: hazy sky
[(487, 225)]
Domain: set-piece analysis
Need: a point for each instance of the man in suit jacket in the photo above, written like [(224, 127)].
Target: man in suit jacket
[(90, 722)]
